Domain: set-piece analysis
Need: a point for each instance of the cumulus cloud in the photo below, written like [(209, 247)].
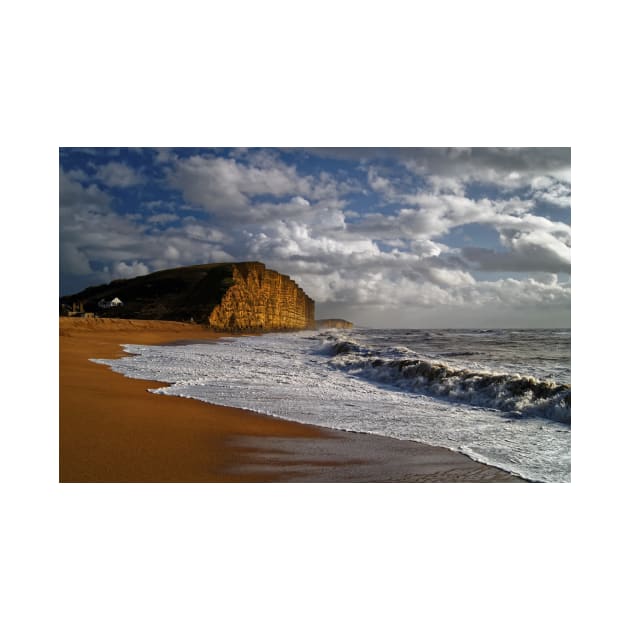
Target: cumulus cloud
[(232, 190), (530, 242), (525, 292), (118, 175), (431, 289), (527, 255), (76, 198), (99, 245), (379, 183), (552, 191), (123, 270), (225, 186), (300, 201), (508, 167)]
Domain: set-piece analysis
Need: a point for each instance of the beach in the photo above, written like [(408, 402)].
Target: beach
[(111, 429)]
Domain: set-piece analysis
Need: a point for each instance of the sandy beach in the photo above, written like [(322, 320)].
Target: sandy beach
[(111, 429)]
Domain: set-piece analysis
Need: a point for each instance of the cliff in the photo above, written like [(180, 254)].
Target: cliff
[(262, 299), (333, 323), (228, 296)]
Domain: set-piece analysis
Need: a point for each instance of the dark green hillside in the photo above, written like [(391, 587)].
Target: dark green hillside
[(173, 294)]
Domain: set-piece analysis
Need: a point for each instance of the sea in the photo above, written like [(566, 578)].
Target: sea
[(501, 397)]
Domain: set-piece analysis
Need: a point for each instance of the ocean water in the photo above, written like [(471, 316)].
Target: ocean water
[(502, 397)]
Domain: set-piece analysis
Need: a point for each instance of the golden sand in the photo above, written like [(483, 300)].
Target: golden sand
[(111, 429)]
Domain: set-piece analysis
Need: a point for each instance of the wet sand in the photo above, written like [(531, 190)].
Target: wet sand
[(111, 429)]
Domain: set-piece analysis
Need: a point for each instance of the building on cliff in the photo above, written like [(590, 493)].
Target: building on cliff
[(110, 303), (227, 296)]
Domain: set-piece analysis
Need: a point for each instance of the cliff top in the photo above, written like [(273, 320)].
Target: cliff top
[(181, 293)]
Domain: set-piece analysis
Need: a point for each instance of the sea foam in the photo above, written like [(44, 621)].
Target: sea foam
[(302, 377), (515, 393)]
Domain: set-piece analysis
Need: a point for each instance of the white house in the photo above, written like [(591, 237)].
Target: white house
[(109, 304)]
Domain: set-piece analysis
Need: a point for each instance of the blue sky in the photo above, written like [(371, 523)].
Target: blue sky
[(385, 237)]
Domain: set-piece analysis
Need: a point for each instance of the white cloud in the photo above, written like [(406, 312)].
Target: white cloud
[(75, 199), (230, 190), (554, 192), (450, 277), (526, 292), (507, 168), (98, 244), (224, 186), (123, 270), (446, 184), (118, 175), (300, 201), (539, 246), (435, 287), (426, 248), (378, 183)]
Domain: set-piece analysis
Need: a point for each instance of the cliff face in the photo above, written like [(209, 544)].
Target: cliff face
[(333, 323), (262, 299), (227, 296)]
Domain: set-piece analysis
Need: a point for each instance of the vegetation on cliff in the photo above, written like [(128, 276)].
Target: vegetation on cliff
[(227, 296)]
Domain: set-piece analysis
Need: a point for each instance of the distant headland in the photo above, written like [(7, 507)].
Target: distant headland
[(333, 323)]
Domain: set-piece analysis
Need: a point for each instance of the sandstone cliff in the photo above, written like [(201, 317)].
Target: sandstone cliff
[(226, 296), (262, 299)]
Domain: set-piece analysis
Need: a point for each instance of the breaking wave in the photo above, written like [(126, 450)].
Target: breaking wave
[(519, 395)]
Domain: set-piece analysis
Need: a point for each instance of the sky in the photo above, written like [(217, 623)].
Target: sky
[(383, 237)]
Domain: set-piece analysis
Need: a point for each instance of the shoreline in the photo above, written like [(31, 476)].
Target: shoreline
[(111, 429)]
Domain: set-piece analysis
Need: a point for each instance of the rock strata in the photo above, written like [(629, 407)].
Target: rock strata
[(262, 299)]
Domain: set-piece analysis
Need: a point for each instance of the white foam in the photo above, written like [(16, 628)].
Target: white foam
[(283, 375)]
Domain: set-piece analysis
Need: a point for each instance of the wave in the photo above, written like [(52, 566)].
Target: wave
[(521, 396)]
